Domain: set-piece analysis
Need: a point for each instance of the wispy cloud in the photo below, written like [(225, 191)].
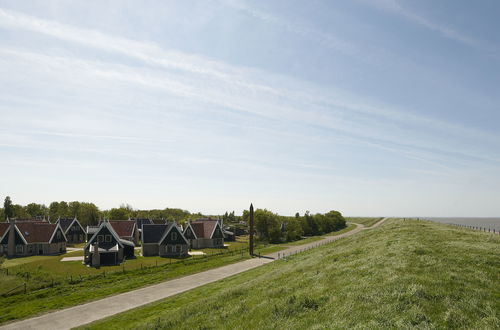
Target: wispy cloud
[(244, 90), (461, 37)]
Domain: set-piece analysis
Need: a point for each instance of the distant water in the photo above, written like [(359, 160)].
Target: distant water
[(493, 223)]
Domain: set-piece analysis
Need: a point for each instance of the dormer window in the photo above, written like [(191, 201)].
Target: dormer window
[(100, 238), (174, 236), (108, 238)]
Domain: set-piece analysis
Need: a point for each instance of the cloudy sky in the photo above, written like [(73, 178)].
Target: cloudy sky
[(367, 107)]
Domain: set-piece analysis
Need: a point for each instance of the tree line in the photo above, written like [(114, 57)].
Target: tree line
[(276, 228), (269, 226), (88, 213)]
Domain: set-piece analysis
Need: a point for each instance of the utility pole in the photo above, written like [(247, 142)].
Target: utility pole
[(251, 230)]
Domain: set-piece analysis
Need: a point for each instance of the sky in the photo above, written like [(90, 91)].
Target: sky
[(371, 108)]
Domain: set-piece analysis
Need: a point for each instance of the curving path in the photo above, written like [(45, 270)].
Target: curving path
[(99, 309)]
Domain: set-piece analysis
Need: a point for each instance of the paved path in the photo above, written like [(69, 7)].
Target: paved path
[(99, 309), (72, 259)]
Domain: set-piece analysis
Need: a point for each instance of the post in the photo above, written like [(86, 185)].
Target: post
[(251, 230)]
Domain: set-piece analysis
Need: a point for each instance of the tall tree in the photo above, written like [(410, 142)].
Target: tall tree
[(8, 208)]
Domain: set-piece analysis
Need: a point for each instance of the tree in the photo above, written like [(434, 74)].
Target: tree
[(36, 210), (118, 214), (54, 210), (62, 210), (8, 209)]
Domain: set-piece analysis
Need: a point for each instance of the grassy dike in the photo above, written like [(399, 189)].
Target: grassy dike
[(403, 274)]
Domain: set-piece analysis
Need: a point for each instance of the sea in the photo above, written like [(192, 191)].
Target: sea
[(491, 223)]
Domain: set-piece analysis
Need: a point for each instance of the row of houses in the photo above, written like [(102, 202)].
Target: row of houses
[(26, 238), (110, 242)]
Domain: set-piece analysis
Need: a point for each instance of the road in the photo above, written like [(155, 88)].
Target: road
[(99, 309)]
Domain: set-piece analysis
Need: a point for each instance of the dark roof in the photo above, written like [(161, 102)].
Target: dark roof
[(4, 226), (203, 228), (153, 233), (36, 232), (158, 221), (141, 221), (124, 228), (65, 223), (37, 219)]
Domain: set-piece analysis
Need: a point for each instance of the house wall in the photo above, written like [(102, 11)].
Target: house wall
[(75, 234), (173, 250), (204, 243), (150, 249)]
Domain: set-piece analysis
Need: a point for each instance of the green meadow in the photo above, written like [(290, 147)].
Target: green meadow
[(403, 274), (52, 284)]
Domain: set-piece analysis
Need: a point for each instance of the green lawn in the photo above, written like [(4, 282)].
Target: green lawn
[(367, 221), (53, 284), (404, 274)]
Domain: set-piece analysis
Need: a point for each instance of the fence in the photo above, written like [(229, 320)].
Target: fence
[(485, 229), (50, 282)]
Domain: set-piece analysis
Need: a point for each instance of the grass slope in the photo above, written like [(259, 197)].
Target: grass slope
[(367, 221), (403, 274)]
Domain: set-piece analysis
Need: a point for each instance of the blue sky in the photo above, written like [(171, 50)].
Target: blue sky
[(367, 107)]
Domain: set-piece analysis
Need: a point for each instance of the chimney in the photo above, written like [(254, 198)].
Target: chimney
[(96, 258), (11, 247)]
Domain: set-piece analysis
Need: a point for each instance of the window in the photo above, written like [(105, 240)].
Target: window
[(19, 249), (108, 238), (174, 236), (178, 248), (100, 238), (58, 234)]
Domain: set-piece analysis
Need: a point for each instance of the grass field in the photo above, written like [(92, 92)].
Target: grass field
[(367, 221), (53, 284), (403, 274)]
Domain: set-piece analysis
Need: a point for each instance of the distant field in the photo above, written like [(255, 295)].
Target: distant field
[(367, 221), (403, 274)]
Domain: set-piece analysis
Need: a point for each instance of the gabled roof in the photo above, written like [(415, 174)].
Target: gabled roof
[(152, 233), (67, 223), (111, 230), (37, 232), (204, 228), (4, 228), (192, 229), (169, 229), (141, 221), (124, 228)]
